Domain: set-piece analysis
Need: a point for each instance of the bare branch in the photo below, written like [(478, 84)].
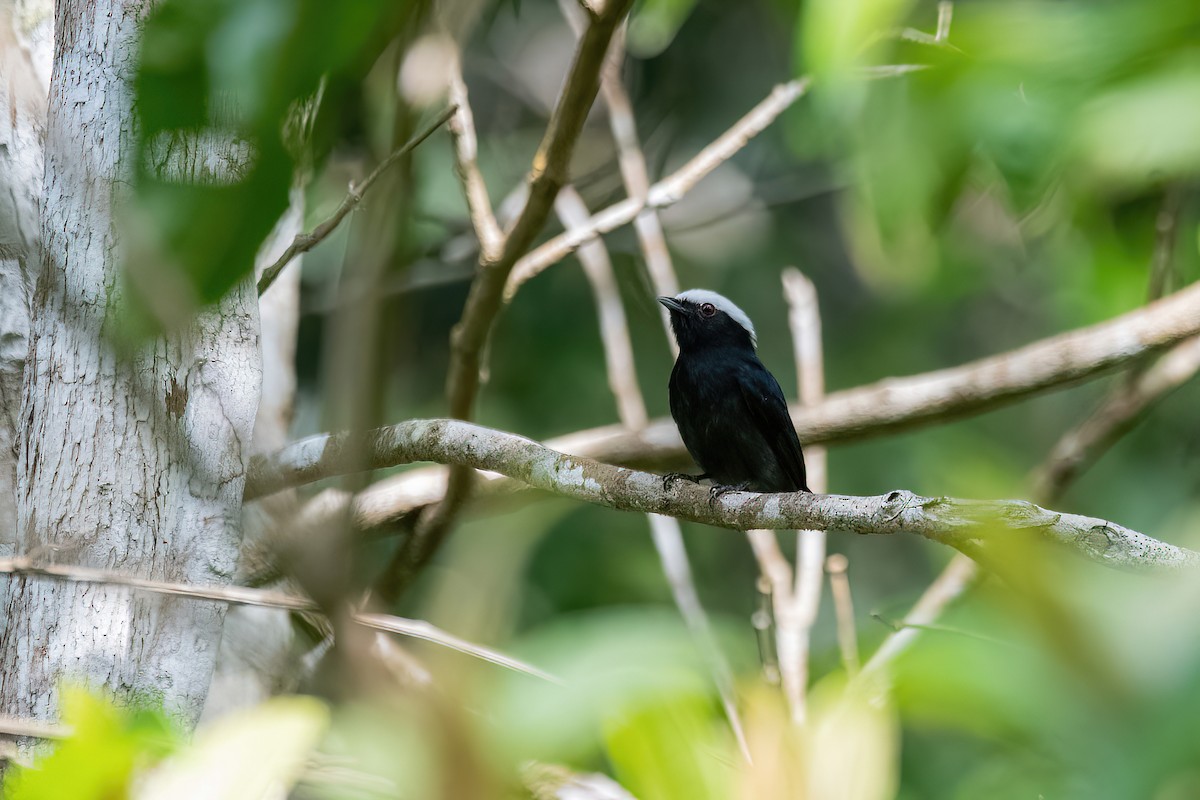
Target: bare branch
[(900, 403), (951, 521), (952, 582), (614, 331), (1120, 411), (307, 241), (634, 172), (470, 335), (466, 148), (243, 595), (843, 606), (666, 192), (798, 614), (1079, 447)]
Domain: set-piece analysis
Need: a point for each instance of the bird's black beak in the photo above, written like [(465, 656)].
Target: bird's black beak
[(672, 304)]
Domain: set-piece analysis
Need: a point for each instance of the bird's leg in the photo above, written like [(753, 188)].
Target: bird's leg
[(671, 478), (715, 493)]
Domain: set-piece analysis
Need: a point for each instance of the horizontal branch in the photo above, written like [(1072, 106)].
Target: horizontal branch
[(888, 405), (942, 519), (246, 596)]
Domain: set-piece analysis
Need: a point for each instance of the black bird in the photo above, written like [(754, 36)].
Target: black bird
[(729, 408)]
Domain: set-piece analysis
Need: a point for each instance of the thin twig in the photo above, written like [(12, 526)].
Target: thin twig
[(33, 728), (614, 330), (948, 586), (668, 541), (665, 192), (945, 17), (951, 521), (469, 338), (804, 319), (243, 595), (307, 241), (1120, 411), (1143, 387), (843, 605), (466, 149)]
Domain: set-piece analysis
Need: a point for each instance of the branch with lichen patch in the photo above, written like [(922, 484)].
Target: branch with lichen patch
[(951, 521)]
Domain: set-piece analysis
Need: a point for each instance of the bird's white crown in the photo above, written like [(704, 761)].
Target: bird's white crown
[(723, 303)]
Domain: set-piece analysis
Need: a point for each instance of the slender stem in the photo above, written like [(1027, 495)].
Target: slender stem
[(307, 241)]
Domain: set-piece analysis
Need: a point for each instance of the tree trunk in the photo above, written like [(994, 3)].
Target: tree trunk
[(25, 55), (256, 659), (131, 462)]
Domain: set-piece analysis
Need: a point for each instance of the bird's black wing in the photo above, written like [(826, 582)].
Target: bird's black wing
[(769, 411)]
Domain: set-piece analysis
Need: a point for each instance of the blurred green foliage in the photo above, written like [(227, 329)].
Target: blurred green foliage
[(247, 75), (107, 749)]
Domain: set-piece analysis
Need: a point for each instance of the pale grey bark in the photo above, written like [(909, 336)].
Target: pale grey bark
[(25, 55), (255, 659), (948, 520), (132, 461)]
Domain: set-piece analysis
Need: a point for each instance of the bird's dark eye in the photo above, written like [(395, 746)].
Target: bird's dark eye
[(707, 309)]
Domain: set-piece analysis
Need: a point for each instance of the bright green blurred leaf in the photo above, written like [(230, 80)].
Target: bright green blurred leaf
[(246, 755), (610, 662), (654, 23), (834, 34), (1144, 131), (238, 78), (106, 750), (668, 750)]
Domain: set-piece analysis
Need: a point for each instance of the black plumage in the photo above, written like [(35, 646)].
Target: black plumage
[(729, 409)]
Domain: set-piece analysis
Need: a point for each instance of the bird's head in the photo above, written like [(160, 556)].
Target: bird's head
[(701, 318)]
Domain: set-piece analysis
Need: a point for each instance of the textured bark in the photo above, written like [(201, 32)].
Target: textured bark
[(948, 520), (133, 461), (25, 55), (255, 658)]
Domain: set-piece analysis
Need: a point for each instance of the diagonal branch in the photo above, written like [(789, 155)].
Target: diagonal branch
[(307, 241), (666, 192), (470, 335), (1078, 447), (246, 596), (950, 521), (466, 148)]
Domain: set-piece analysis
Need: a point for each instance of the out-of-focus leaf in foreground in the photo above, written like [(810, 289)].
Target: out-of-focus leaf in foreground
[(654, 23), (220, 87), (107, 748), (246, 755)]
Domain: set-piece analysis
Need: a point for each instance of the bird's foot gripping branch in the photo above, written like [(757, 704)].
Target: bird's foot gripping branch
[(947, 520)]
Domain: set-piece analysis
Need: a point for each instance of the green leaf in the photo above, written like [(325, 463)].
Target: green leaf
[(218, 83), (835, 34), (244, 755), (654, 23), (107, 748)]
